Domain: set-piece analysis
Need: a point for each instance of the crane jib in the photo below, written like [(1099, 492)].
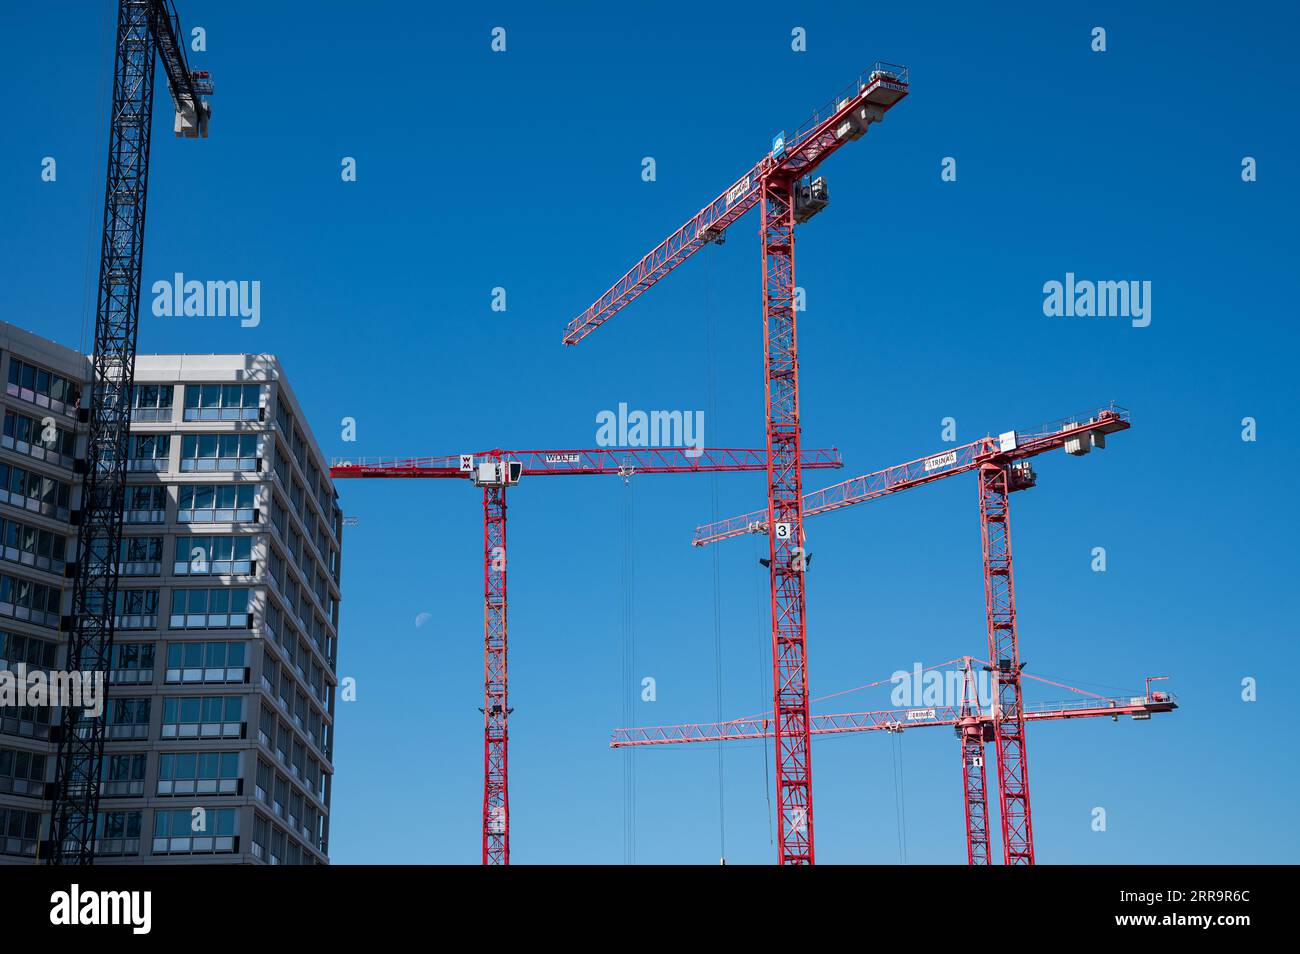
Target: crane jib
[(1076, 434), (843, 120)]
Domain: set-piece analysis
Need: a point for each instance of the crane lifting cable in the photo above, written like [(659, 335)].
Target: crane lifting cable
[(763, 690), (900, 797), (627, 678), (712, 363)]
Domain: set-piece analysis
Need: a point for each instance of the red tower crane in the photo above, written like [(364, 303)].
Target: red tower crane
[(494, 471), (972, 724), (1003, 467), (783, 183)]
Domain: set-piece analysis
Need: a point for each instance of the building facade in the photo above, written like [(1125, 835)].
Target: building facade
[(221, 691)]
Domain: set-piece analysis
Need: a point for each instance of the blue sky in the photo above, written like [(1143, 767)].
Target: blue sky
[(523, 170)]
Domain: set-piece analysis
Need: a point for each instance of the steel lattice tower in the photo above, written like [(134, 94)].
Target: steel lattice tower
[(145, 29), (995, 481), (94, 591), (970, 730), (495, 471), (496, 794), (785, 527), (783, 184)]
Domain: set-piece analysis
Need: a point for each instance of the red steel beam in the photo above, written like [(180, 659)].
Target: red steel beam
[(973, 733), (974, 728), (496, 702), (773, 185), (995, 487), (495, 826), (585, 462), (889, 720), (786, 556), (924, 470), (880, 88)]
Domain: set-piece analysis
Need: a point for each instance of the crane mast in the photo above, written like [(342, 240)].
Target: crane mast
[(973, 727), (145, 28), (781, 184), (495, 471), (1003, 466), (996, 482), (973, 732), (786, 559), (496, 703)]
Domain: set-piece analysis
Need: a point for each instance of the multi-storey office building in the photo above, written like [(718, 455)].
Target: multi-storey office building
[(221, 693)]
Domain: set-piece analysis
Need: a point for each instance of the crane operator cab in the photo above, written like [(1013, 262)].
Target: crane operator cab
[(1021, 476), (810, 197), (497, 473)]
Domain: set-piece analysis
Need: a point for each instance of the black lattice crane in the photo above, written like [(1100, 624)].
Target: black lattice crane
[(147, 30)]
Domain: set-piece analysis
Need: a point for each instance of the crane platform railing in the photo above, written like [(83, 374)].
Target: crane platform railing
[(576, 461), (890, 75), (1048, 429)]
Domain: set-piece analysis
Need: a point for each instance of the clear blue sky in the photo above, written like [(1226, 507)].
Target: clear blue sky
[(522, 170)]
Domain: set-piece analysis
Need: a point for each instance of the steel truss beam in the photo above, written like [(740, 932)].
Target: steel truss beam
[(624, 462), (972, 731), (146, 29), (1004, 657), (787, 560), (496, 706), (94, 593)]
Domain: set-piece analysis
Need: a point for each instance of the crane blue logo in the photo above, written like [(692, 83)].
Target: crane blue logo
[(778, 145)]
